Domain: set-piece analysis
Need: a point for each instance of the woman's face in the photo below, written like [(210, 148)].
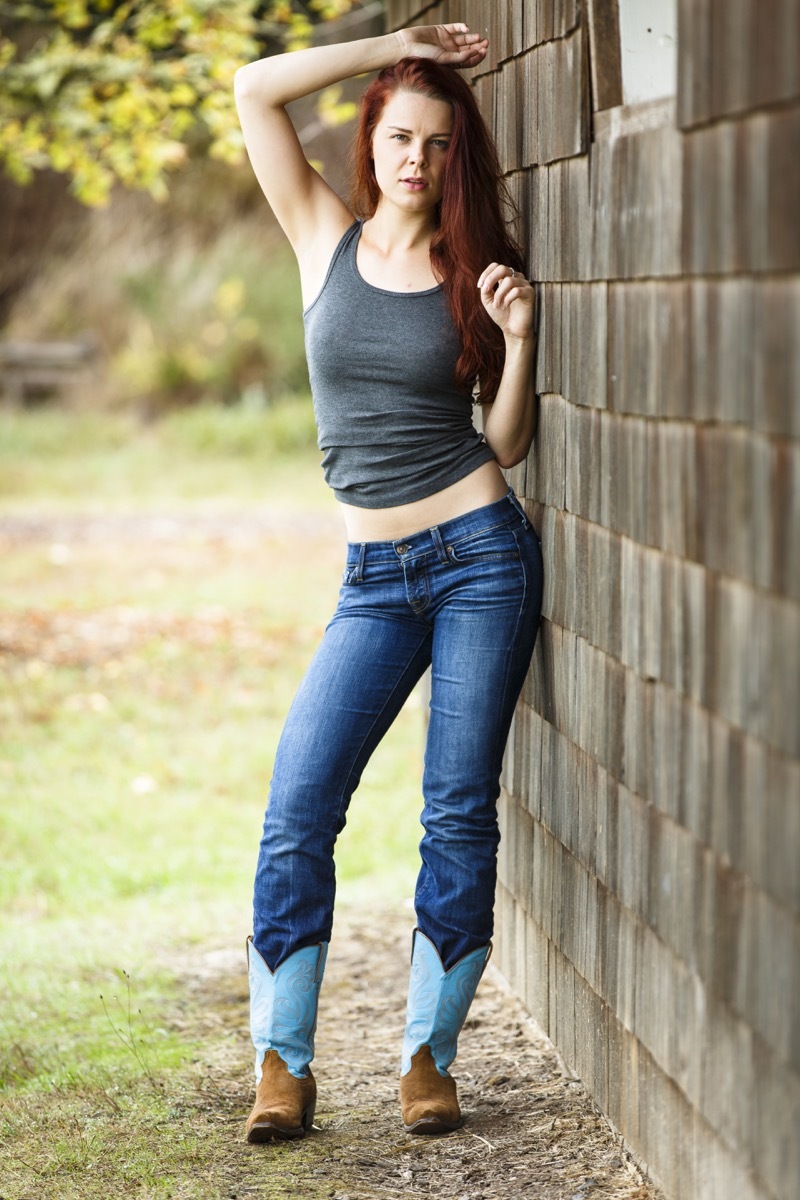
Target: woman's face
[(409, 149)]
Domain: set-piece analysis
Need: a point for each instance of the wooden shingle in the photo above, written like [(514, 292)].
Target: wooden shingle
[(783, 196), (694, 61)]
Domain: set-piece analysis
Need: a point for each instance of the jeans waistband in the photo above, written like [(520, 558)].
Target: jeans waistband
[(506, 511)]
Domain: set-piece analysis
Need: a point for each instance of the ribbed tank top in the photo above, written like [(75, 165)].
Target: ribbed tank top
[(393, 424)]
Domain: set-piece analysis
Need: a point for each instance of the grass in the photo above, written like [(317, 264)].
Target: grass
[(143, 683), (225, 456)]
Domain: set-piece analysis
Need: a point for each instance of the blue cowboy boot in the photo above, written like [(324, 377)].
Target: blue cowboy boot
[(283, 1018), (438, 1002)]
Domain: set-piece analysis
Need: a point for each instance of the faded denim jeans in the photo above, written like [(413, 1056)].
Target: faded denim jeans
[(463, 597)]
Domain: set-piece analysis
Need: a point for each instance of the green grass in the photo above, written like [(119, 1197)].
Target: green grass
[(142, 690), (202, 453)]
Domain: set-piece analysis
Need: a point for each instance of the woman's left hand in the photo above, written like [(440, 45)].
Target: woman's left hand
[(509, 299)]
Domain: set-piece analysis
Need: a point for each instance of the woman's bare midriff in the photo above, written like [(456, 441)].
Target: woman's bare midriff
[(482, 486)]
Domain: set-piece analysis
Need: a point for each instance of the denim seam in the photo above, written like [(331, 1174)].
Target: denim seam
[(487, 556), (515, 502), (515, 639), (347, 790)]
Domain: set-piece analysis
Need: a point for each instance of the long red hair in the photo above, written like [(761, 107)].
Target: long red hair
[(472, 228)]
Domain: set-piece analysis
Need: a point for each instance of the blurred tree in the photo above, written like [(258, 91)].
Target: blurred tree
[(108, 92)]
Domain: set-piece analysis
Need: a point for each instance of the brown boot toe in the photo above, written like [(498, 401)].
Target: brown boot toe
[(284, 1106), (428, 1100)]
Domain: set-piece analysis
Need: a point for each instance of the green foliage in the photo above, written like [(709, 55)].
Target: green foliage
[(111, 92), (246, 431), (221, 322), (182, 315)]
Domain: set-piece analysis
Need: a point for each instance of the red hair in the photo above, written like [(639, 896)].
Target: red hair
[(471, 229)]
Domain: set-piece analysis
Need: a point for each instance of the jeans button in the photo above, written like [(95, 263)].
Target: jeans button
[(402, 548)]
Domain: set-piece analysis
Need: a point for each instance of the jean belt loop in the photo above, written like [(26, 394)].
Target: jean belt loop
[(519, 508), (441, 553), (360, 564)]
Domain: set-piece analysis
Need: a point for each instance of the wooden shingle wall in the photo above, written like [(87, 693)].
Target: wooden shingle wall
[(649, 883)]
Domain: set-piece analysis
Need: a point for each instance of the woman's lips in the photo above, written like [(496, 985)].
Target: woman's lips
[(414, 185)]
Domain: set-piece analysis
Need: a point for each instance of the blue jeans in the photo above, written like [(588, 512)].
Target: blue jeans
[(463, 597)]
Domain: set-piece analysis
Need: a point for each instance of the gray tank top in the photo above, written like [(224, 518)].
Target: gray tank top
[(393, 423)]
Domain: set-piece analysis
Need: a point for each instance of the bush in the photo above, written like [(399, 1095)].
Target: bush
[(182, 313), (222, 324), (244, 430)]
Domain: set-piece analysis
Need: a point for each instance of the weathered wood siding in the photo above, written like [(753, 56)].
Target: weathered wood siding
[(649, 884)]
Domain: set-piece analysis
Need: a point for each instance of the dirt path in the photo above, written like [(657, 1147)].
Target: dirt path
[(531, 1130), (237, 527)]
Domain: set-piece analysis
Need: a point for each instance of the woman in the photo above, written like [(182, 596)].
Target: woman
[(406, 310)]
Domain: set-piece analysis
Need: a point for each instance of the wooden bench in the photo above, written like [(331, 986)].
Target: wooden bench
[(32, 372)]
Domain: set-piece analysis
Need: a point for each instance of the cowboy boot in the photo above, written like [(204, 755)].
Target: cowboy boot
[(283, 1018), (438, 1002)]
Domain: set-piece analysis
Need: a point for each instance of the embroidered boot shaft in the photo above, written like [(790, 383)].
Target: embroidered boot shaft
[(438, 1001), (283, 1006)]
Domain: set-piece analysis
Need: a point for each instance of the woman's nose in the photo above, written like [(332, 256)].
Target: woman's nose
[(417, 154)]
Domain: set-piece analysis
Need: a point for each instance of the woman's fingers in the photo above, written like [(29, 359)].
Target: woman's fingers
[(509, 299), (497, 271), (461, 35), (451, 45), (500, 284), (469, 49)]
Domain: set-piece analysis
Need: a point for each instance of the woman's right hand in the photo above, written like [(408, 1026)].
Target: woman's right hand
[(452, 45)]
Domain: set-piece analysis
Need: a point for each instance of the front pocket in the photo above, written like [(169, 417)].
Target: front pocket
[(495, 543)]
